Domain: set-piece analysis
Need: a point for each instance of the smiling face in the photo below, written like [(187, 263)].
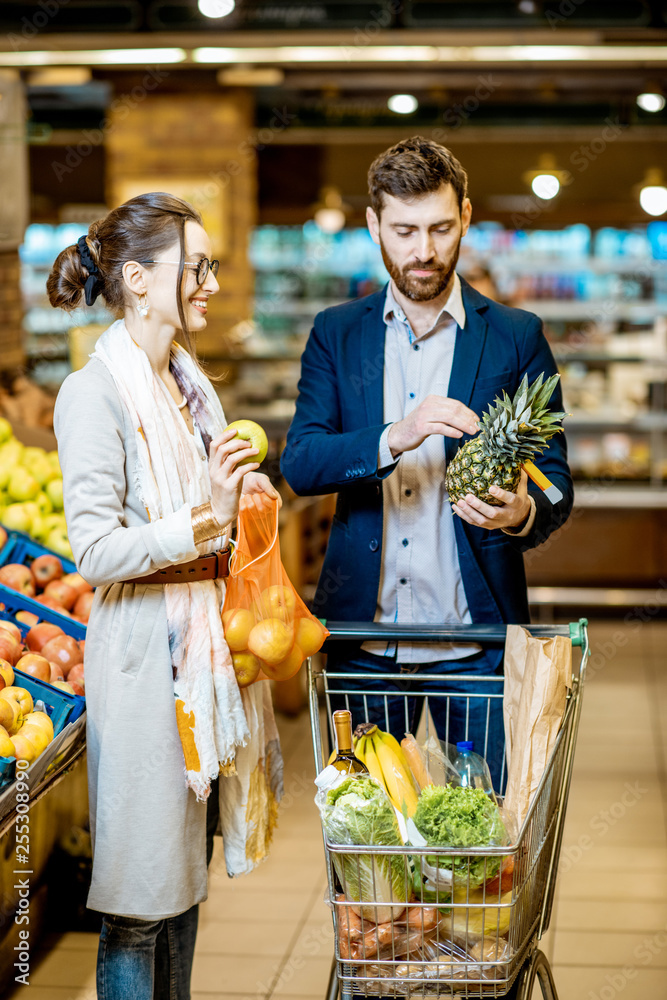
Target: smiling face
[(161, 282), (420, 240)]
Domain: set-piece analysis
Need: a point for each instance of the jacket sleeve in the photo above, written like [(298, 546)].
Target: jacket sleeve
[(319, 457), (89, 425), (535, 357)]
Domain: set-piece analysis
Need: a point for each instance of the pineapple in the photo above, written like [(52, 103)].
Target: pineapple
[(512, 432)]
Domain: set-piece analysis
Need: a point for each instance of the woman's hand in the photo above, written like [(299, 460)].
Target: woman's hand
[(257, 482), (227, 476)]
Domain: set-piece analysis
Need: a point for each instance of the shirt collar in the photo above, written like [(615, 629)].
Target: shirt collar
[(453, 306)]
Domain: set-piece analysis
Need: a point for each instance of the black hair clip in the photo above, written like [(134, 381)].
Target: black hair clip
[(93, 284)]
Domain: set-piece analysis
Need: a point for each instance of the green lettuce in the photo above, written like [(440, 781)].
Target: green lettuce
[(358, 811), (449, 816)]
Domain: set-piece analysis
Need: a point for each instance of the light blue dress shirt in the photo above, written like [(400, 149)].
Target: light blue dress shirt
[(420, 579)]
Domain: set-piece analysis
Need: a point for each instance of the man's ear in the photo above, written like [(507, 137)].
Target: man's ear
[(466, 215), (373, 224)]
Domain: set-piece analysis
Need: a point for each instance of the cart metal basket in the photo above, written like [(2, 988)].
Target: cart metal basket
[(465, 938)]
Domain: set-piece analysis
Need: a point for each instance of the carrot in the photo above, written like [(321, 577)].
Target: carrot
[(414, 758)]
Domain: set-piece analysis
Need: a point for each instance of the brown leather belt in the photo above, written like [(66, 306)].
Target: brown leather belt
[(211, 567)]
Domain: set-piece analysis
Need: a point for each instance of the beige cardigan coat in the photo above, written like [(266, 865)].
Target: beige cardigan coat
[(149, 832)]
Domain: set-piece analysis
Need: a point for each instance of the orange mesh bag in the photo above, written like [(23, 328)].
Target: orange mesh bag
[(268, 628)]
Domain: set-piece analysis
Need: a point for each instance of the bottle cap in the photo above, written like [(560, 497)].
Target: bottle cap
[(465, 745)]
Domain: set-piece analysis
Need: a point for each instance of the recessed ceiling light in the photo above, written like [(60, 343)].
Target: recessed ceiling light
[(545, 186), (651, 102), (402, 104), (527, 6), (216, 8)]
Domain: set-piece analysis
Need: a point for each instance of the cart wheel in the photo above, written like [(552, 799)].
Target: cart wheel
[(536, 968)]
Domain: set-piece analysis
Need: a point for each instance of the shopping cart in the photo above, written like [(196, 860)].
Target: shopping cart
[(464, 939)]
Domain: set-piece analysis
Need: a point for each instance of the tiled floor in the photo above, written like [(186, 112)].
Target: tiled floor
[(269, 935)]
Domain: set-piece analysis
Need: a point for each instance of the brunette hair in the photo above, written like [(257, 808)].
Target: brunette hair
[(414, 167), (140, 230)]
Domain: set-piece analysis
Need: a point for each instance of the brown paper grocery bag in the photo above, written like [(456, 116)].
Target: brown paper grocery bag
[(537, 675)]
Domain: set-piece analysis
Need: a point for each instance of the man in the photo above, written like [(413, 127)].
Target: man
[(390, 386)]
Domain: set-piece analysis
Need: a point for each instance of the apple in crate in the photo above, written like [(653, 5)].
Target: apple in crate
[(40, 634), (45, 569), (6, 673), (76, 581), (63, 650), (35, 665), (13, 629), (18, 577), (6, 745), (61, 593), (20, 695), (10, 649), (83, 605), (64, 686), (56, 673), (11, 716)]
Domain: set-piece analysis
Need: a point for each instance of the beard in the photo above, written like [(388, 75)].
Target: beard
[(416, 288)]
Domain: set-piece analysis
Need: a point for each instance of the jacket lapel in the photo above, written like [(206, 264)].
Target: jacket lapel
[(371, 344), (468, 351)]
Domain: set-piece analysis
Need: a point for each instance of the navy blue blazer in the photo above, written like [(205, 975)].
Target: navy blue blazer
[(332, 447)]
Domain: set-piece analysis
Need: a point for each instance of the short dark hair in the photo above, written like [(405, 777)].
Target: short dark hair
[(414, 167)]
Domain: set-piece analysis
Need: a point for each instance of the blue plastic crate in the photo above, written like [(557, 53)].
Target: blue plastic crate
[(61, 706), (20, 548)]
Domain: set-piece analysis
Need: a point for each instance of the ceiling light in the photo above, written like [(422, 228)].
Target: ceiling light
[(216, 8), (653, 193), (547, 180), (527, 6), (93, 57), (651, 102), (402, 104), (545, 186), (250, 76), (330, 211)]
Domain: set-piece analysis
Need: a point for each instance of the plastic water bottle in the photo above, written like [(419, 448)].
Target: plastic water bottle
[(473, 771)]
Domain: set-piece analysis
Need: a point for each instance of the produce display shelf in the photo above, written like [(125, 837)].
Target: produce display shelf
[(20, 548)]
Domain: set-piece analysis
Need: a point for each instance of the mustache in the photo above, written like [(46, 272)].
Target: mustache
[(417, 266)]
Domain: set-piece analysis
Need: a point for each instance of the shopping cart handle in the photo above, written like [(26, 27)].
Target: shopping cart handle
[(390, 632)]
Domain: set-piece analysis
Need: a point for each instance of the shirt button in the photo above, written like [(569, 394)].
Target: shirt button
[(408, 493), (373, 545), (415, 347), (412, 395), (405, 542), (403, 580)]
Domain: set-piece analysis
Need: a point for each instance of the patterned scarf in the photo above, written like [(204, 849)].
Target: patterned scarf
[(221, 727)]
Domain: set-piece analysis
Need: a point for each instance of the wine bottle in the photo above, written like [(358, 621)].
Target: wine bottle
[(345, 760)]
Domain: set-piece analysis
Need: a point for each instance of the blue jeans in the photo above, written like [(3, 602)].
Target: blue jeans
[(151, 959), (461, 709)]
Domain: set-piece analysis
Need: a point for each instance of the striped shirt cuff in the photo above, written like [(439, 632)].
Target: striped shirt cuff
[(385, 457)]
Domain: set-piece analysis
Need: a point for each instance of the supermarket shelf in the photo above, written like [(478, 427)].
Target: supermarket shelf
[(558, 265), (587, 597), (601, 310), (605, 496), (604, 357), (644, 423)]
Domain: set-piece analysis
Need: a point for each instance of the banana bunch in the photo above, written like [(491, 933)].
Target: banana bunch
[(385, 760)]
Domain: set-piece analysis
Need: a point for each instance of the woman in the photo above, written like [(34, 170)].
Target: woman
[(152, 480)]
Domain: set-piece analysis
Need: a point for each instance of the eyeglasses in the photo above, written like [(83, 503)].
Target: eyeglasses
[(202, 268)]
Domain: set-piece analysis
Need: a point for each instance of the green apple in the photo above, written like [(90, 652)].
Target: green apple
[(5, 430), (17, 518), (54, 491), (22, 486), (40, 468), (49, 523), (5, 472), (30, 453), (44, 503), (11, 452), (254, 434), (57, 541)]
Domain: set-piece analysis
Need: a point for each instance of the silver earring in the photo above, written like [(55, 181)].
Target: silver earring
[(142, 308)]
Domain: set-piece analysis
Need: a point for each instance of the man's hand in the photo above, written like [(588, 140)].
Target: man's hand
[(434, 415), (512, 514)]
